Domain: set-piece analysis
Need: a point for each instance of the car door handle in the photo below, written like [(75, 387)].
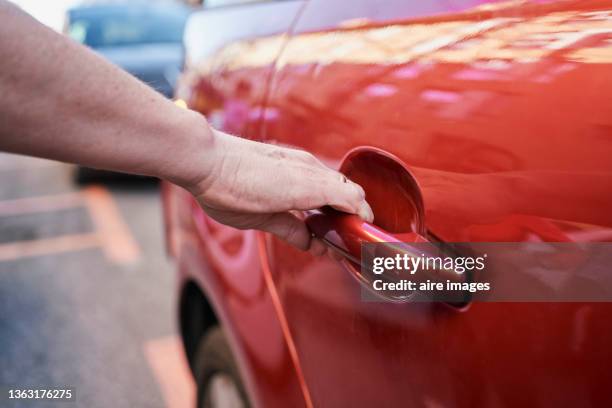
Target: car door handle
[(396, 200), (345, 233)]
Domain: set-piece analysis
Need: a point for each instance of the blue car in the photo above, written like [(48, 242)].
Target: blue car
[(145, 39)]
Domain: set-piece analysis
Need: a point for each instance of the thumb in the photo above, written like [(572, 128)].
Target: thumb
[(289, 228)]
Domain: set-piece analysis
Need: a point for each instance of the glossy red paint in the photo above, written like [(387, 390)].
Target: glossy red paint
[(397, 226), (392, 182), (501, 114)]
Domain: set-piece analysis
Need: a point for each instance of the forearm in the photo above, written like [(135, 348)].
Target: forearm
[(62, 101)]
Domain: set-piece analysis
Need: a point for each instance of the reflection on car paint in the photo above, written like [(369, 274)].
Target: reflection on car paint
[(501, 112)]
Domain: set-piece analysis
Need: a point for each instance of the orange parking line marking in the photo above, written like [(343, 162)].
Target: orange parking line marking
[(168, 363), (29, 205), (66, 243), (117, 241)]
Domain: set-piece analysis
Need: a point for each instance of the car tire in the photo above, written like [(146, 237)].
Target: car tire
[(85, 175), (216, 373)]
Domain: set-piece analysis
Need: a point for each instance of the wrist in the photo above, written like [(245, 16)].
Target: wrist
[(190, 158)]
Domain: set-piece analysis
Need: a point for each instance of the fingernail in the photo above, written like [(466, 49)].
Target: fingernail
[(365, 212), (360, 189)]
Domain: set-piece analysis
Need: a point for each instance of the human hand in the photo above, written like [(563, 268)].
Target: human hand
[(252, 185)]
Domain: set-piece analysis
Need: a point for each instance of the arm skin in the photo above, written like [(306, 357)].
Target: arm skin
[(61, 101)]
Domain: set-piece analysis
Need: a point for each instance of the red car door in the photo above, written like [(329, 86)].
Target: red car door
[(223, 81), (502, 113)]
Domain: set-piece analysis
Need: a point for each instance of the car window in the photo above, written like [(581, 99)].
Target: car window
[(111, 28), (224, 3)]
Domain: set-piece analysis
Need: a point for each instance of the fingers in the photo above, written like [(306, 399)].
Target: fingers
[(321, 186), (335, 256), (289, 228), (363, 210), (317, 247), (350, 197), (292, 230)]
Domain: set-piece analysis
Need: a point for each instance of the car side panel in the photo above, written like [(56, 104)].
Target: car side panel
[(224, 262), (226, 265), (502, 112)]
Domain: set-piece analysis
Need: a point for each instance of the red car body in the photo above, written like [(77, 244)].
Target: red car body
[(502, 113)]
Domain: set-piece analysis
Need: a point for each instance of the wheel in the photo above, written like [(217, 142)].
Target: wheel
[(217, 377), (85, 175)]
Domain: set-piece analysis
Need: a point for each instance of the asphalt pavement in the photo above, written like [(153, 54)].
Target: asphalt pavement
[(87, 294)]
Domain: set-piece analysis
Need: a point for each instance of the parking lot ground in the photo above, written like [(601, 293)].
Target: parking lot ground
[(87, 295)]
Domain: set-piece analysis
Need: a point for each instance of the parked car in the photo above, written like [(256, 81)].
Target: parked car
[(143, 38), (499, 113)]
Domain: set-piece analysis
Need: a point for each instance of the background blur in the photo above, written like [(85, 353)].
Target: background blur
[(87, 296), (50, 13)]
